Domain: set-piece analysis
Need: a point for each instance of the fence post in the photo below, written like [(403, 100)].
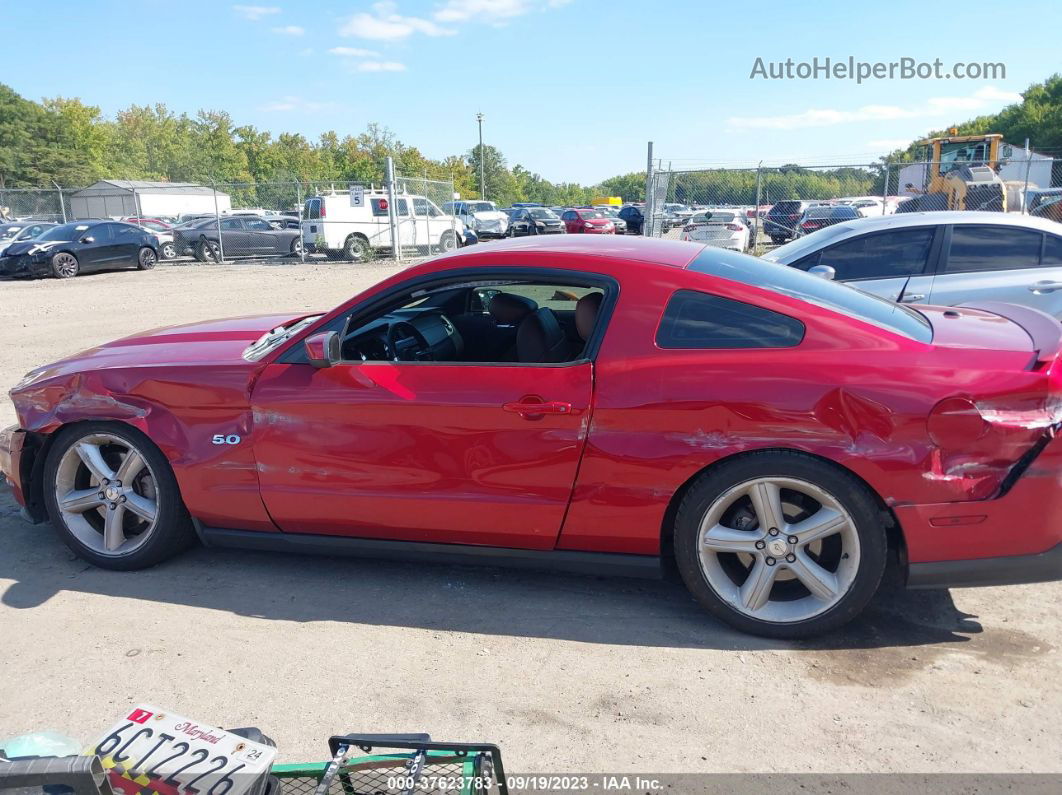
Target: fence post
[(298, 206), (648, 214), (62, 206), (1025, 192), (217, 220), (392, 210), (885, 191), (756, 207)]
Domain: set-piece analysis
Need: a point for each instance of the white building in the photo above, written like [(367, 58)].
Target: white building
[(119, 198)]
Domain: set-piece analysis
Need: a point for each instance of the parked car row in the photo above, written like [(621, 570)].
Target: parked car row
[(67, 250)]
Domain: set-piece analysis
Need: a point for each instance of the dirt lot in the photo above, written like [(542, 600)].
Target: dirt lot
[(575, 674)]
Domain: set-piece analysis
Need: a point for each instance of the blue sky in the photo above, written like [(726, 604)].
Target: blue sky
[(571, 89)]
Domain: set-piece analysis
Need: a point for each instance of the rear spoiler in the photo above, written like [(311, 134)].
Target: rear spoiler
[(1045, 331)]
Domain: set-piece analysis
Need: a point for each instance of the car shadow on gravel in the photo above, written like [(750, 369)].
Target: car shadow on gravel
[(588, 609)]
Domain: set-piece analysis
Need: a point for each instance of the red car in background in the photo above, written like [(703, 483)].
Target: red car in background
[(604, 407), (591, 222)]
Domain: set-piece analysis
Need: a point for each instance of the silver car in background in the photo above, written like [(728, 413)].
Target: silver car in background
[(943, 258)]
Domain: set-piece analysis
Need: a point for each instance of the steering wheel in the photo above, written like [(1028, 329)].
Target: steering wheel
[(399, 346)]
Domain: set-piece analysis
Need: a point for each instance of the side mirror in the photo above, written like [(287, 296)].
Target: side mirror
[(823, 272), (88, 239), (323, 349)]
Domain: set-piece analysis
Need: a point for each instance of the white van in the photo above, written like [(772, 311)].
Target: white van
[(482, 217), (354, 224)]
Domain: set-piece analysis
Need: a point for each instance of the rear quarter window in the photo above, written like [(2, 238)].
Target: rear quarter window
[(696, 320)]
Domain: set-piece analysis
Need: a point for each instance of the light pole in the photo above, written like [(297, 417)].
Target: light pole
[(482, 186)]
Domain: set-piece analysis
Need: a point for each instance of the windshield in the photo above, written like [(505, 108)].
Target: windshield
[(64, 232), (719, 218), (803, 286), (796, 249), (481, 207), (541, 213), (590, 214), (271, 339)]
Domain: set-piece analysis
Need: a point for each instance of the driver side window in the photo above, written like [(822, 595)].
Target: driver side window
[(511, 322)]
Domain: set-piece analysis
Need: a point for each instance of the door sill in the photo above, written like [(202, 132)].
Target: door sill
[(601, 563)]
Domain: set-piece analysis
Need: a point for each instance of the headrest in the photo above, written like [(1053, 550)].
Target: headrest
[(509, 309), (586, 314)]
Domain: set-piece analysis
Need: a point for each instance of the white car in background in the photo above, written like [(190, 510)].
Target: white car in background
[(482, 217), (945, 258), (355, 225), (722, 228), (20, 231)]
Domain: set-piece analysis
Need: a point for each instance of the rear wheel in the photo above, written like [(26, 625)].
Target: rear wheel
[(448, 241), (168, 251), (113, 497), (65, 265), (780, 544), (146, 259), (296, 247), (357, 247)]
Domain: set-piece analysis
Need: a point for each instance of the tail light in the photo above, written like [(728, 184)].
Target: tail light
[(323, 213), (734, 227), (808, 225)]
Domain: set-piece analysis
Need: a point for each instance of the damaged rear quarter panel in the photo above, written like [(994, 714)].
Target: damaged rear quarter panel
[(849, 393)]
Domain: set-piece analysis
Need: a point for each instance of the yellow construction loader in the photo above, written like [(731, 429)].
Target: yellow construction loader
[(964, 174)]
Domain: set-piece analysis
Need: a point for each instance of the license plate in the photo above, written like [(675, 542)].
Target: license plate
[(153, 749)]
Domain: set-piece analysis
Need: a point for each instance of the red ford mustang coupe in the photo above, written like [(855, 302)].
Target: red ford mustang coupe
[(601, 404)]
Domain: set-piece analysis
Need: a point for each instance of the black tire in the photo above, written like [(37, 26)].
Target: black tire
[(777, 240), (208, 251), (64, 265), (173, 531), (146, 258), (357, 247), (851, 493), (447, 242)]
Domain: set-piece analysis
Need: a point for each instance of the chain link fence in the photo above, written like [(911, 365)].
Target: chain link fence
[(753, 209), (284, 220)]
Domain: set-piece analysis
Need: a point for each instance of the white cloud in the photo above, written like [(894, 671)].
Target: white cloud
[(255, 13), (289, 30), (940, 108), (491, 10), (381, 66), (889, 144), (385, 24), (354, 52), (289, 104)]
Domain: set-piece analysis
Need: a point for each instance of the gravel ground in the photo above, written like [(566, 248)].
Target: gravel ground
[(566, 674)]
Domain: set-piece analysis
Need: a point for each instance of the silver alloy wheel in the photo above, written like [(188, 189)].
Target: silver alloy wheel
[(147, 258), (448, 241), (65, 264), (778, 549), (107, 494), (296, 247), (169, 251)]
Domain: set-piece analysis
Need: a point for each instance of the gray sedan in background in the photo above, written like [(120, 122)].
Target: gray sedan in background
[(943, 258)]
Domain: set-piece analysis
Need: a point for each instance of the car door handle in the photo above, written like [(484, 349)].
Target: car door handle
[(1045, 287), (537, 407), (910, 298)]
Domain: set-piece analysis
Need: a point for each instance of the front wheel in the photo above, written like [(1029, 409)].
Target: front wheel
[(168, 251), (113, 498), (448, 241), (65, 265), (780, 544), (208, 251), (296, 247)]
